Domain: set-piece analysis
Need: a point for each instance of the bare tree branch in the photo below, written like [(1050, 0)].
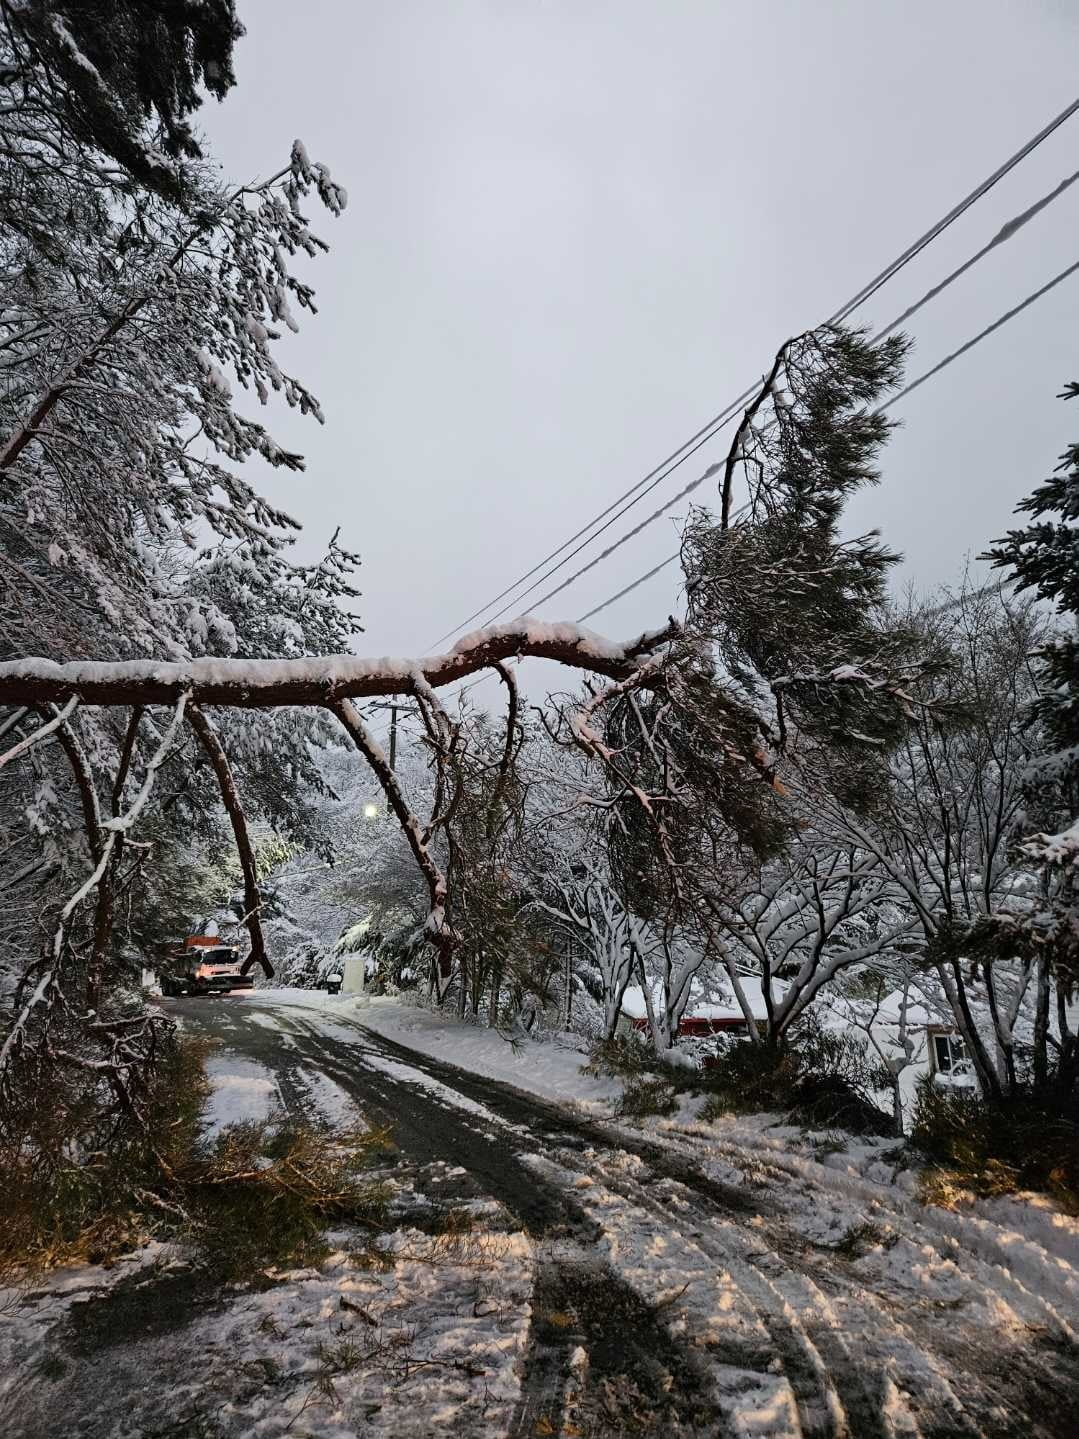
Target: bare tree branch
[(47, 987), (438, 931), (42, 732), (230, 796)]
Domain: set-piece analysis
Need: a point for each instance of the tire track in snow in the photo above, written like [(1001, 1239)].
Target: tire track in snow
[(638, 1375), (939, 1395), (874, 1374), (852, 1364), (995, 1255), (987, 1258)]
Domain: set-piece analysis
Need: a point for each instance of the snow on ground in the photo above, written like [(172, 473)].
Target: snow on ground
[(408, 1075), (699, 1296), (843, 1181), (241, 1090), (428, 1335), (329, 1100), (827, 1268), (432, 1341), (833, 1274), (433, 1337), (399, 1335), (853, 1164), (548, 1066)]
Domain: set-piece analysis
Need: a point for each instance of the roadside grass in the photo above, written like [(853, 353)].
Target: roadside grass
[(262, 1195), (992, 1149)]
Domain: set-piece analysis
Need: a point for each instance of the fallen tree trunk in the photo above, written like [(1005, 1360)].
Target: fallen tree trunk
[(320, 679)]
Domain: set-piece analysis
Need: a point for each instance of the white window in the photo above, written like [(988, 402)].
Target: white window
[(948, 1051)]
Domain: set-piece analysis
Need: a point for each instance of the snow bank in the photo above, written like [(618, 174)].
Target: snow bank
[(550, 1068)]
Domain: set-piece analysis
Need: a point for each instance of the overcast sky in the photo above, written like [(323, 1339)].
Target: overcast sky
[(576, 230)]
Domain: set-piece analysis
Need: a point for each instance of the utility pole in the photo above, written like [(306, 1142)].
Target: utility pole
[(393, 736)]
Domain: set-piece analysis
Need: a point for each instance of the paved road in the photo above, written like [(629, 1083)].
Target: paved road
[(774, 1333)]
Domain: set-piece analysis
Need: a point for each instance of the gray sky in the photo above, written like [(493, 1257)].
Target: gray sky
[(577, 228)]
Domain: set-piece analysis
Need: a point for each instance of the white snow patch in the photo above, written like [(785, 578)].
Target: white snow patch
[(549, 1066), (330, 1100), (243, 1091)]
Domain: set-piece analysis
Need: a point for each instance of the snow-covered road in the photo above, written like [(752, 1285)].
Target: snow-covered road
[(668, 1278)]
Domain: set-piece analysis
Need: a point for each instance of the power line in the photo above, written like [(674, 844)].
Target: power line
[(1005, 233), (960, 209), (702, 435), (629, 588), (901, 394), (989, 329), (693, 484), (706, 432)]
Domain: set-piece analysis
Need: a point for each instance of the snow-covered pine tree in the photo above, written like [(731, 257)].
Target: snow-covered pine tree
[(796, 611), (139, 294), (101, 69), (790, 675), (133, 284), (1043, 557)]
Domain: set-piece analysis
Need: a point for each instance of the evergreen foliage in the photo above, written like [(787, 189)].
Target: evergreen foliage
[(797, 612), (1043, 556), (122, 63)]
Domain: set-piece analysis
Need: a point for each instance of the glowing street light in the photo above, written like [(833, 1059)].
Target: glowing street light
[(370, 811)]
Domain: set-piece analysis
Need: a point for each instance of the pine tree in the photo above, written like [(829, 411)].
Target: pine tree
[(141, 299), (1044, 557), (116, 67), (797, 612)]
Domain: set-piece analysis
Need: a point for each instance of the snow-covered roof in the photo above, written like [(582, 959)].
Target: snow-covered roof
[(633, 1004)]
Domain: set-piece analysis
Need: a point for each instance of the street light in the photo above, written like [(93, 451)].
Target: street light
[(370, 811)]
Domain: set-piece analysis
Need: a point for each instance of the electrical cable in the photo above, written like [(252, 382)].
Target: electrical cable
[(718, 421), (901, 394), (1005, 233)]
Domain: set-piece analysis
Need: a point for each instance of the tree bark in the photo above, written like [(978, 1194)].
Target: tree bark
[(321, 680), (215, 752), (1041, 1026), (105, 909), (437, 930)]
